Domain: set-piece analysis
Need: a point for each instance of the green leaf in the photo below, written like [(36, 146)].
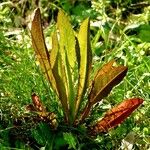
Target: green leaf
[(67, 38), (68, 59), (71, 93), (85, 61), (78, 52), (69, 138), (59, 74), (55, 49), (42, 134), (60, 77), (144, 33), (60, 142), (40, 47)]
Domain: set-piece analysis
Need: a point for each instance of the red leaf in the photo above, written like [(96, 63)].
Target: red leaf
[(116, 115), (37, 103)]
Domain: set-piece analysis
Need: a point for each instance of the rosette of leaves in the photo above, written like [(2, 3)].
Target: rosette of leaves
[(67, 67)]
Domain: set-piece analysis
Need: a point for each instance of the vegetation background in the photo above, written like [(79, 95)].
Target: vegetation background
[(119, 29)]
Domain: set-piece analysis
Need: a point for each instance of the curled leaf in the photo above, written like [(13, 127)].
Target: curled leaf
[(107, 77), (116, 115)]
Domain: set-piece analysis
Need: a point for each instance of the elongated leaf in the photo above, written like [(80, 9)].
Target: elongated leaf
[(67, 51), (55, 49), (71, 93), (106, 78), (67, 38), (60, 77), (40, 48), (78, 52), (116, 115), (85, 60)]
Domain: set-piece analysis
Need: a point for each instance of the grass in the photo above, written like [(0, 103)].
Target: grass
[(19, 76)]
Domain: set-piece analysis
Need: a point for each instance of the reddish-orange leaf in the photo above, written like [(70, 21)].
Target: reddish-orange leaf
[(116, 115), (37, 103), (106, 78), (40, 110)]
